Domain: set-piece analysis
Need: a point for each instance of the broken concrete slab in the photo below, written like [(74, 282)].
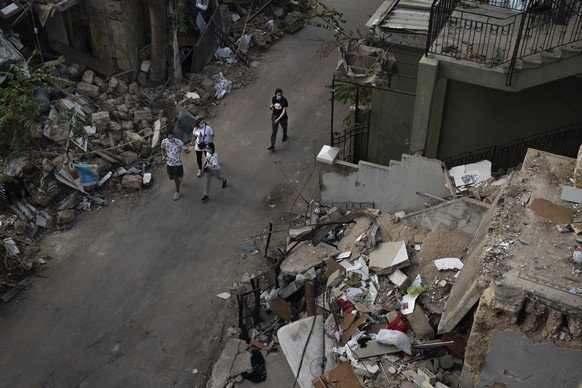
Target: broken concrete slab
[(389, 256), (390, 189), (305, 256), (233, 361), (463, 214), (511, 361), (571, 194)]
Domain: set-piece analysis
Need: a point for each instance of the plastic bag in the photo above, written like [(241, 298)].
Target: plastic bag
[(396, 338), (223, 86)]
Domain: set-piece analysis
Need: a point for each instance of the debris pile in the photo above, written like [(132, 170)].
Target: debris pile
[(365, 285)]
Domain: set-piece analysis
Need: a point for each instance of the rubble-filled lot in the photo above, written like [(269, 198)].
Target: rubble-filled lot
[(356, 298)]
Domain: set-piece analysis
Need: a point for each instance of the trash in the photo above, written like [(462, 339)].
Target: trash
[(202, 4), (555, 213), (88, 173), (396, 338), (471, 174), (224, 295), (223, 53), (412, 292), (449, 263), (193, 96), (223, 85), (11, 247), (69, 175)]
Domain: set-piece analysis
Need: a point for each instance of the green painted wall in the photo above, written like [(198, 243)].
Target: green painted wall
[(476, 116), (392, 112)]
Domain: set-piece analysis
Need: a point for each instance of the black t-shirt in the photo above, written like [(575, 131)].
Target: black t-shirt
[(278, 106)]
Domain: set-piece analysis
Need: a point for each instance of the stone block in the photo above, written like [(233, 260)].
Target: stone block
[(122, 88), (135, 140), (115, 126), (113, 83), (128, 158), (88, 76), (88, 90), (65, 217), (294, 21), (133, 87), (125, 125), (100, 119), (131, 182), (428, 375), (142, 78), (144, 114), (259, 41)]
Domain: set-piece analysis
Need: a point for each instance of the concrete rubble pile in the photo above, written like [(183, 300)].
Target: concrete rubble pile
[(257, 28), (449, 295), (373, 292)]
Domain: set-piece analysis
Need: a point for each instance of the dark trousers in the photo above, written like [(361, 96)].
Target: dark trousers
[(199, 159), (275, 127)]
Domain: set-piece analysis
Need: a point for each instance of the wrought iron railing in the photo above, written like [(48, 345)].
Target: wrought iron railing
[(352, 142), (472, 35), (562, 141)]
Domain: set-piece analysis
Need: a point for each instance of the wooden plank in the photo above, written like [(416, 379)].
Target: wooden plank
[(84, 59)]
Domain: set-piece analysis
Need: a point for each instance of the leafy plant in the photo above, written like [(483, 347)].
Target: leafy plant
[(182, 21), (19, 110), (333, 20)]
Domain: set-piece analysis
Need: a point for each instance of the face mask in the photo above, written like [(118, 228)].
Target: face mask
[(202, 124), (279, 97)]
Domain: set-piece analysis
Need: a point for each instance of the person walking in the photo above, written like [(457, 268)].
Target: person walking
[(172, 153), (212, 168), (279, 105), (202, 134)]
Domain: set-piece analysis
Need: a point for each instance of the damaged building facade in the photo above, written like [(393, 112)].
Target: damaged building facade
[(142, 40), (476, 80)]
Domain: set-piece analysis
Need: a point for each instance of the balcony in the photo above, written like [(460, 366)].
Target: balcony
[(506, 36)]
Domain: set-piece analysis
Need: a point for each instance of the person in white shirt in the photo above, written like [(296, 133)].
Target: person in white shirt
[(172, 149), (212, 168), (202, 134)]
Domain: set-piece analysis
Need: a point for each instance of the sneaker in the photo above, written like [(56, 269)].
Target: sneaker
[(224, 183), (199, 173), (285, 138), (271, 148), (205, 198), (176, 196)]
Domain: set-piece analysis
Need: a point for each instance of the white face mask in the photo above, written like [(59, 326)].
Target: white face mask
[(279, 97)]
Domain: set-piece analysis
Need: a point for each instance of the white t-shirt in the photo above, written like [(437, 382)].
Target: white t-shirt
[(213, 159), (203, 134)]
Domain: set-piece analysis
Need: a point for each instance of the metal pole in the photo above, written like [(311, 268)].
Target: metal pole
[(332, 106)]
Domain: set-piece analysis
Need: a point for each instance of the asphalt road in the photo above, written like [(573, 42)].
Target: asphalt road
[(129, 299)]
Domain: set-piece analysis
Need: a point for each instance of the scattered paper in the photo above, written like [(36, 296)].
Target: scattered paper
[(224, 295)]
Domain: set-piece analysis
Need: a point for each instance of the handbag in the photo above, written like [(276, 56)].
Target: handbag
[(202, 145)]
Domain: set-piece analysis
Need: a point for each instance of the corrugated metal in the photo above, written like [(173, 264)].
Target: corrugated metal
[(411, 15)]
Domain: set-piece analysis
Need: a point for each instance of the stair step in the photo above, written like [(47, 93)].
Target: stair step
[(571, 50), (550, 56), (532, 61), (394, 163)]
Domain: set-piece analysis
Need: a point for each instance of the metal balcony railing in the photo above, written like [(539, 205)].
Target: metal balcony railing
[(562, 141), (502, 32)]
